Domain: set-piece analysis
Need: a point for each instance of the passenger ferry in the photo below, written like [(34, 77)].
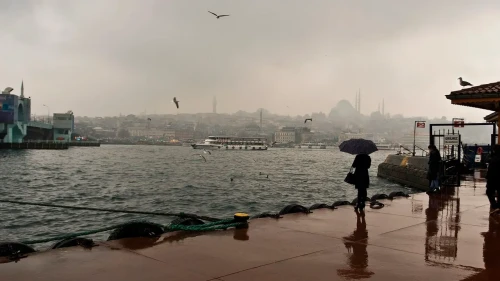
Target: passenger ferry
[(312, 145), (232, 143)]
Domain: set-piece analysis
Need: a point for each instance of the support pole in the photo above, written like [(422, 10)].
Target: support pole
[(414, 132)]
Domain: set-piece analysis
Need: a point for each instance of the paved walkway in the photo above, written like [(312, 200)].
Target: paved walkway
[(449, 236)]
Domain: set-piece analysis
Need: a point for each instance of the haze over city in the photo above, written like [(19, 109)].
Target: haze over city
[(102, 58)]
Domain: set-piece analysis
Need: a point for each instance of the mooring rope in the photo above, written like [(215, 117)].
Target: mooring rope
[(180, 215), (219, 225), (76, 234), (214, 223)]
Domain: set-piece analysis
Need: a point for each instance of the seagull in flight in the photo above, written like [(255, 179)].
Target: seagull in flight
[(464, 83), (202, 157), (176, 102), (217, 15), (206, 151), (308, 119)]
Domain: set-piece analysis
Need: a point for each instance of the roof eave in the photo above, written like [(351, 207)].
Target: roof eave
[(492, 117), (457, 96), (473, 105)]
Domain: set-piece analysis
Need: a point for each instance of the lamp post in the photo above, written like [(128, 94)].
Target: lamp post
[(48, 113), (414, 133)]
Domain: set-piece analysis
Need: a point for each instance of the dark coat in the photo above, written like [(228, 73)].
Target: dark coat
[(493, 173), (434, 164), (362, 163)]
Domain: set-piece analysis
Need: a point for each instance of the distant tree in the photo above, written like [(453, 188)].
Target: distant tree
[(123, 133)]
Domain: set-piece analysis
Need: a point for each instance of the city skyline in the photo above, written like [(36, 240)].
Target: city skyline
[(72, 57)]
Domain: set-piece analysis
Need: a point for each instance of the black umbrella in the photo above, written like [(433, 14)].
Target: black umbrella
[(358, 146)]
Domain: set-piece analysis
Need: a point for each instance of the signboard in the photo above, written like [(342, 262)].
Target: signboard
[(478, 159), (451, 140), (421, 125), (458, 122), (479, 151)]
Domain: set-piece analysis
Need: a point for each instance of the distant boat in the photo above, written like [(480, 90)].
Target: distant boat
[(385, 146), (232, 143), (312, 145)]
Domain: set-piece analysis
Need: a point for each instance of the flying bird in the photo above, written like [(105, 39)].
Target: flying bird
[(217, 15), (149, 119), (464, 83), (176, 102), (206, 151), (308, 119), (202, 157)]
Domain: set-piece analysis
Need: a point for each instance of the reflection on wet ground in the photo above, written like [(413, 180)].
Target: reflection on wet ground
[(445, 236), (358, 255)]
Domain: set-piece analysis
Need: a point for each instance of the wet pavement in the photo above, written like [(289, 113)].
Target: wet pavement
[(447, 236)]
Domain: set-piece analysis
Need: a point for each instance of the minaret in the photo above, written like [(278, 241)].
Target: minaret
[(383, 109), (22, 89), (378, 108), (261, 120), (214, 105), (359, 101), (356, 102)]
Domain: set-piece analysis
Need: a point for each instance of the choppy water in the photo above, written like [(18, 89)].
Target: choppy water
[(166, 179)]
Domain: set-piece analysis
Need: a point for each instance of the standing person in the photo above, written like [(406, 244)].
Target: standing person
[(433, 171), (493, 178), (361, 164)]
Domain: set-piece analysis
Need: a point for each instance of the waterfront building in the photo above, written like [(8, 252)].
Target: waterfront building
[(293, 134), (285, 135), (64, 126)]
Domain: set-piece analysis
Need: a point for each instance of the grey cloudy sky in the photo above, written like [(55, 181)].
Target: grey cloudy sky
[(103, 57)]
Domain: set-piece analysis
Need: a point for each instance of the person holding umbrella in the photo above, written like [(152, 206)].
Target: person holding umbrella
[(358, 175)]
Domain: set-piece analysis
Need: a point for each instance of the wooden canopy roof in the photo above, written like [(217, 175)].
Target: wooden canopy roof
[(485, 96)]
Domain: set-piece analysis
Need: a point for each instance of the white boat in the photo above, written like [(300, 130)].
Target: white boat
[(232, 143), (385, 146), (312, 145)]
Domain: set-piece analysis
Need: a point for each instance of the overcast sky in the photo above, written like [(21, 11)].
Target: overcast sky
[(105, 57)]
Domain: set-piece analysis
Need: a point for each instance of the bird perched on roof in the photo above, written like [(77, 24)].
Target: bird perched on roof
[(308, 119), (217, 15), (463, 83), (176, 102)]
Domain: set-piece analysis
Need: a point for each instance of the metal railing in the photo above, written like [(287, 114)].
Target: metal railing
[(40, 124), (422, 149), (406, 151)]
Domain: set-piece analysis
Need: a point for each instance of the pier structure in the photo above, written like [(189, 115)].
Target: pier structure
[(486, 96), (19, 131), (447, 236)]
